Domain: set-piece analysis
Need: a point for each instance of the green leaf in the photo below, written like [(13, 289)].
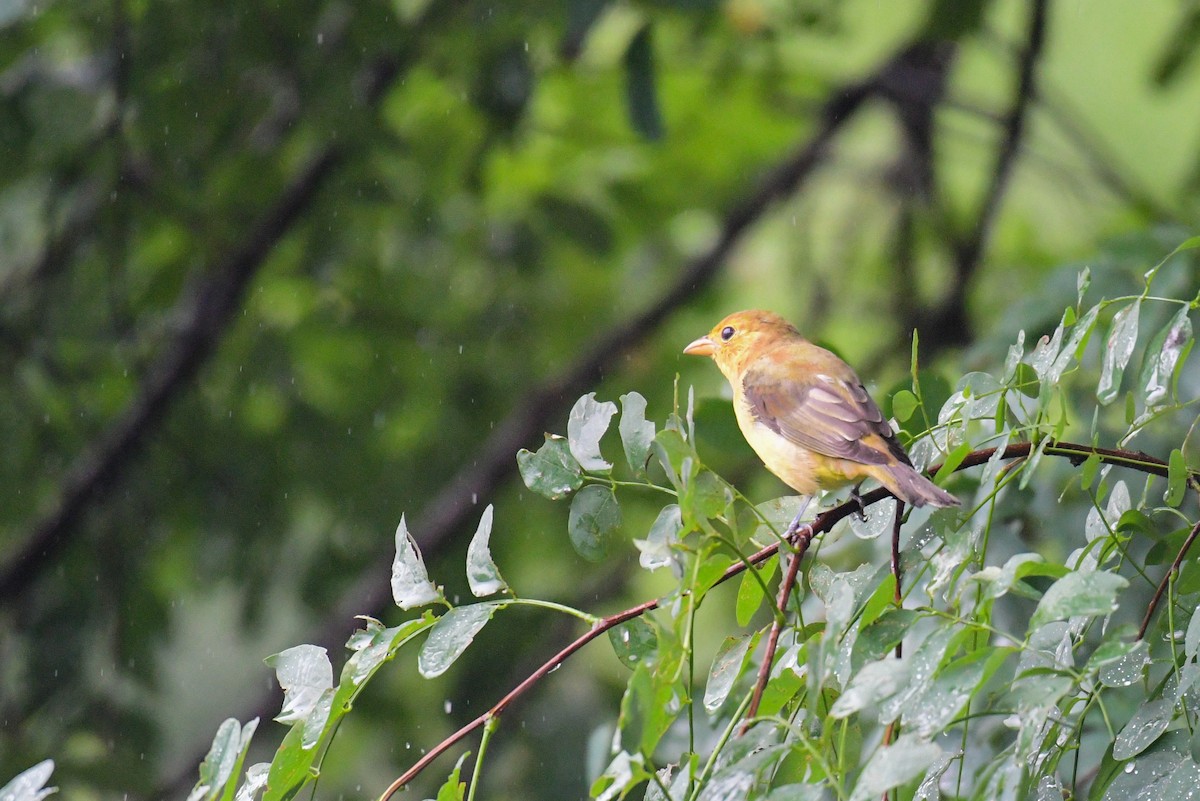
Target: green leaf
[(1079, 594), (306, 677), (586, 424), (1163, 356), (1177, 476), (1148, 723), (641, 93), (482, 574), (29, 784), (637, 433), (552, 471), (728, 665), (1127, 669), (451, 635), (904, 403), (750, 593), (657, 550), (454, 788), (1122, 337), (593, 522), (893, 765), (221, 767), (634, 641), (411, 586), (870, 686)]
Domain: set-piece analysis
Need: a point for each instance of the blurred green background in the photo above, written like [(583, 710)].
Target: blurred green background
[(274, 273)]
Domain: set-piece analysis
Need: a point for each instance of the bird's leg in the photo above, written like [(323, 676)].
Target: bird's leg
[(862, 507), (794, 526)]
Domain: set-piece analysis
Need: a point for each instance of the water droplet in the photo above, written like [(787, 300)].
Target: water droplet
[(1129, 768), (447, 707)]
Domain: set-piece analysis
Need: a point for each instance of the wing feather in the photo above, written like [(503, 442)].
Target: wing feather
[(826, 414)]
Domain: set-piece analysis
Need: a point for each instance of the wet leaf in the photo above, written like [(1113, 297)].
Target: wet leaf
[(586, 424), (1079, 593), (637, 433), (451, 635), (1147, 725), (304, 673), (306, 676), (482, 573), (726, 667), (870, 686), (411, 586), (656, 550), (594, 519), (1122, 337), (634, 641), (552, 471), (222, 764), (1163, 356), (893, 765), (29, 784)]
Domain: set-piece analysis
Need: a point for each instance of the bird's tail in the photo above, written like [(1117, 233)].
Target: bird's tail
[(911, 487)]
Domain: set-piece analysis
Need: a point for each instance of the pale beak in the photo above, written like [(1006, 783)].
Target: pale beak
[(701, 347)]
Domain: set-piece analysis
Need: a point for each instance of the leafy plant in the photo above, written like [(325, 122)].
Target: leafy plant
[(963, 666)]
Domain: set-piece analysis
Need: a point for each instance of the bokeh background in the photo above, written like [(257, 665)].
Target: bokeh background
[(274, 272)]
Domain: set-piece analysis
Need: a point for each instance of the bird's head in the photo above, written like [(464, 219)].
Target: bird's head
[(740, 337)]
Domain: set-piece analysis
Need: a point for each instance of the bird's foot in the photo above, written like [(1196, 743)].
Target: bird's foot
[(862, 507)]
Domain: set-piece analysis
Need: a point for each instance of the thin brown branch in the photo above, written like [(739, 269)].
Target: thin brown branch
[(498, 708), (1166, 580), (800, 537)]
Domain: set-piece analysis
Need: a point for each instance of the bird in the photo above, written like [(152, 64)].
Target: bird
[(806, 413)]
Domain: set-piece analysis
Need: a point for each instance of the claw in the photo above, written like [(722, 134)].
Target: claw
[(862, 508)]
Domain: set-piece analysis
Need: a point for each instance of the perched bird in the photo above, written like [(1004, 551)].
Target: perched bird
[(806, 414)]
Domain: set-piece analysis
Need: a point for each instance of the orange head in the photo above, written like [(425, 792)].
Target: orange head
[(742, 336)]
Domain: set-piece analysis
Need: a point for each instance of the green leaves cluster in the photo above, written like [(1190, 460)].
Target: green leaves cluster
[(1002, 672)]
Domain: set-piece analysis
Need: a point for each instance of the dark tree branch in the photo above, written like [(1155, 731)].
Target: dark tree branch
[(206, 313), (948, 324)]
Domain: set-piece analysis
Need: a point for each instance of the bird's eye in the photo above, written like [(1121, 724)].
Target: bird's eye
[(726, 333)]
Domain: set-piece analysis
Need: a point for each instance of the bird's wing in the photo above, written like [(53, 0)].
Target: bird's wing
[(826, 414)]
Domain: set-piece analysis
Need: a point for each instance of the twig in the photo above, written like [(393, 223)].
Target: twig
[(1162, 585), (898, 600), (498, 708), (801, 537)]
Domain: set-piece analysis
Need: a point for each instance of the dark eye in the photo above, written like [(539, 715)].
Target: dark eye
[(726, 332)]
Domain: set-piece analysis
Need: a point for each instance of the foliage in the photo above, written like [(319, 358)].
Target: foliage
[(977, 671), (272, 273)]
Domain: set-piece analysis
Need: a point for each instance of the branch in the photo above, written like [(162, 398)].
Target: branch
[(207, 311), (1074, 452), (1166, 579), (948, 323), (1014, 128), (800, 537)]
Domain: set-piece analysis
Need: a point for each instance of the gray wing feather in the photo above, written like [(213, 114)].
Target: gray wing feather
[(820, 418)]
